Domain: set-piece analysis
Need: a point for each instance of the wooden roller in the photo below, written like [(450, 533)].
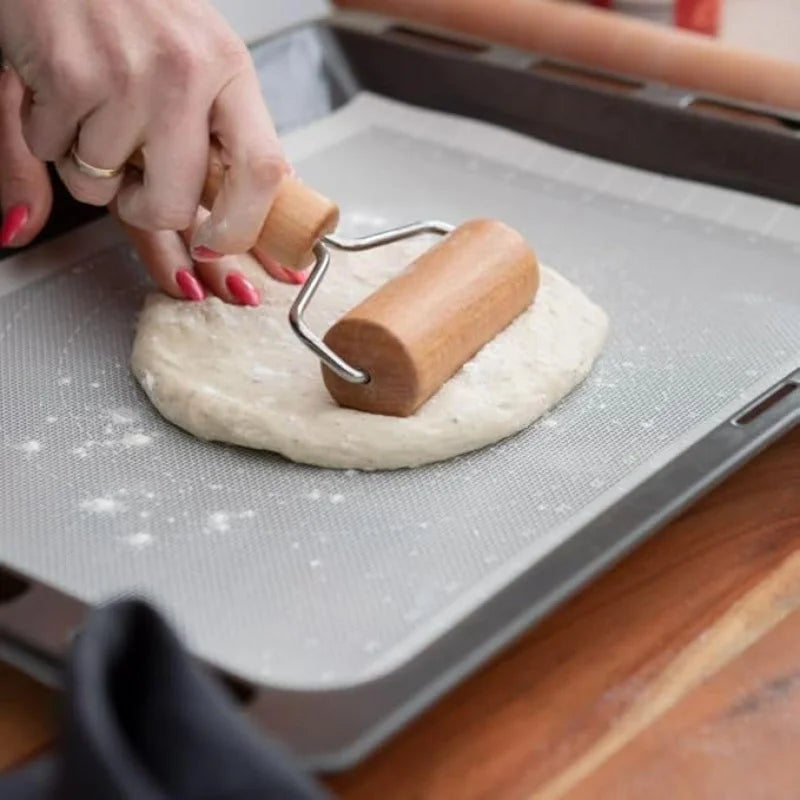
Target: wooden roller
[(298, 219), (415, 332), (612, 42)]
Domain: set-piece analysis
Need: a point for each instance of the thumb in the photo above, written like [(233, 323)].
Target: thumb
[(26, 196)]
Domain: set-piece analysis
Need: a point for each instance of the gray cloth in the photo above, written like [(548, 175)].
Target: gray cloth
[(142, 721)]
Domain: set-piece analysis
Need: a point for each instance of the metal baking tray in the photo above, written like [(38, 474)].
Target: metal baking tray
[(339, 605)]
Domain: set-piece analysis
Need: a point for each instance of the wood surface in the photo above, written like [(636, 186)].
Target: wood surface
[(610, 41), (415, 332)]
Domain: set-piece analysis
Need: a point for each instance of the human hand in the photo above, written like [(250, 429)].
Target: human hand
[(160, 76), (26, 199)]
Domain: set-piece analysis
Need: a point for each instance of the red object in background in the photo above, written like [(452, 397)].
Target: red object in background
[(702, 16)]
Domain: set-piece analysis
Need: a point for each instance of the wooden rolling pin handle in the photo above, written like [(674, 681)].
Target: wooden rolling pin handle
[(298, 218)]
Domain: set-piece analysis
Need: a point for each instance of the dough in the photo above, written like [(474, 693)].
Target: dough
[(239, 375)]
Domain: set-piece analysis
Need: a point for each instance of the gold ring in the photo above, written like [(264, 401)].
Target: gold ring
[(90, 169)]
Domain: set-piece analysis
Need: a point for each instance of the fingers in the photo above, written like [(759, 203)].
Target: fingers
[(25, 193), (166, 196), (67, 88), (106, 140), (254, 168), (278, 271), (234, 279), (167, 260)]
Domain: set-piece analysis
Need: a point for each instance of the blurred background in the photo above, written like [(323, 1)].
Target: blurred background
[(771, 25)]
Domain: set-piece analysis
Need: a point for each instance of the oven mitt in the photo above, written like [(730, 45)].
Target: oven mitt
[(142, 721)]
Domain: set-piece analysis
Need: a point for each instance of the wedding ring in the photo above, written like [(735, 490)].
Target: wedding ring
[(90, 169)]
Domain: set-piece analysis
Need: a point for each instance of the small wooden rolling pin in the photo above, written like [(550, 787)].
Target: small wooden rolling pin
[(414, 333), (609, 41)]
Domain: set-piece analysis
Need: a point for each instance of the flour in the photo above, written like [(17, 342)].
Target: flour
[(114, 441), (103, 505), (31, 448), (136, 440), (123, 416), (140, 540), (222, 521), (218, 521)]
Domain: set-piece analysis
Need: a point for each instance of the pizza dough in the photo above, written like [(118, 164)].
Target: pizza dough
[(239, 375)]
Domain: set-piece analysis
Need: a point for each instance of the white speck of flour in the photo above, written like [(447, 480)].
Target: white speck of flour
[(140, 540), (103, 505), (148, 381), (136, 440), (221, 521), (337, 498), (31, 448)]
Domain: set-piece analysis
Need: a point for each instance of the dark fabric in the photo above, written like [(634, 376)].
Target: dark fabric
[(143, 722)]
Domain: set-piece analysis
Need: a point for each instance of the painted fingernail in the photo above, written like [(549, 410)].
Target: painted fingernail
[(298, 278), (203, 253), (16, 219), (189, 285), (242, 289)]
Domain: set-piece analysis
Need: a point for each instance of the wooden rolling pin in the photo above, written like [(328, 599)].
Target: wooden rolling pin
[(414, 333), (612, 42), (298, 219)]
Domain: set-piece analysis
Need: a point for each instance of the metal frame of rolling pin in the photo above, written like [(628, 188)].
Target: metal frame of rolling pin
[(334, 362)]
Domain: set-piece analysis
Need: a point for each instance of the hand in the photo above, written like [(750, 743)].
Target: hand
[(162, 76), (26, 199)]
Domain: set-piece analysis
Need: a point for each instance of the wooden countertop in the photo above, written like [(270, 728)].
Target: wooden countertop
[(676, 675)]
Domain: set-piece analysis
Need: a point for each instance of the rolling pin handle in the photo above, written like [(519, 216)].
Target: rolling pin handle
[(298, 218)]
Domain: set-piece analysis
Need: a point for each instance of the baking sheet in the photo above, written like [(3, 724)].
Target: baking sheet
[(295, 577)]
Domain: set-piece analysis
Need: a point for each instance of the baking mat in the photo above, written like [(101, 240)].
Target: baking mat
[(297, 577)]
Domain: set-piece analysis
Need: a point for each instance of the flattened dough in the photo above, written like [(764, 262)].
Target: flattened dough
[(239, 375)]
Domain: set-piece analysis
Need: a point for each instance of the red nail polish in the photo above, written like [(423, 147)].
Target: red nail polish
[(242, 289), (204, 253), (298, 278), (189, 285), (15, 220)]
